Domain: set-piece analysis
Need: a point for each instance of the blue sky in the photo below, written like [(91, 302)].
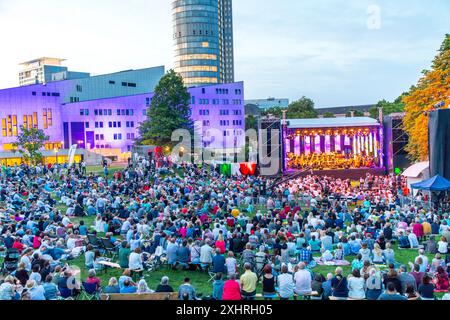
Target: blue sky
[(327, 50)]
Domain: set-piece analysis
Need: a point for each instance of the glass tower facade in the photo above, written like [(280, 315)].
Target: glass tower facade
[(203, 40)]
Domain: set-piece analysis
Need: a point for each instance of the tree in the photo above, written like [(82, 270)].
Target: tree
[(357, 113), (168, 112), (432, 88), (329, 115), (388, 107), (251, 122), (302, 109), (275, 111), (29, 143)]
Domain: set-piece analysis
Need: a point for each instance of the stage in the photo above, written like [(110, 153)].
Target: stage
[(340, 147), (352, 174)]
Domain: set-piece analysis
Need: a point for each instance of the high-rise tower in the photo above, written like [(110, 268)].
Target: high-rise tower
[(203, 40)]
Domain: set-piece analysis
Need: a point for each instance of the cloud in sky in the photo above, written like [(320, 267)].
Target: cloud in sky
[(289, 48)]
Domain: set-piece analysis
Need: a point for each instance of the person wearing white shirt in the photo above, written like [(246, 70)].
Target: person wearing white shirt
[(442, 246), (303, 280), (414, 242), (285, 284), (206, 253), (356, 285), (135, 260), (424, 264)]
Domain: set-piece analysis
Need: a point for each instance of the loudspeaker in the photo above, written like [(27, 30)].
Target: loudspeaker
[(439, 142)]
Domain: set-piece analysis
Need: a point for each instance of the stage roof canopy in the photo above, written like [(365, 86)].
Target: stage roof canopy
[(331, 123)]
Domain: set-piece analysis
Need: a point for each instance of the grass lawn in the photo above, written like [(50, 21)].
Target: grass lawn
[(200, 279)]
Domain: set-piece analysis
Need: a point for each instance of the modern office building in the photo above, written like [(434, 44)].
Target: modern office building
[(226, 40), (268, 103), (203, 41), (103, 113), (45, 70)]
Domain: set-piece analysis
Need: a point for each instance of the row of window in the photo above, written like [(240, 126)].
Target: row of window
[(117, 136), (225, 91), (234, 122), (108, 112), (226, 133), (10, 123), (47, 94)]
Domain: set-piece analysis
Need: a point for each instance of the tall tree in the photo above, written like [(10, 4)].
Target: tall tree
[(432, 88), (29, 143), (168, 112), (302, 109)]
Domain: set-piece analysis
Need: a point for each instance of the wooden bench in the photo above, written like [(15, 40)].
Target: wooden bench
[(306, 295), (141, 297)]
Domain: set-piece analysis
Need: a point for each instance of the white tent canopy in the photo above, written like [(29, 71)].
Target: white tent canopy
[(416, 173), (416, 169)]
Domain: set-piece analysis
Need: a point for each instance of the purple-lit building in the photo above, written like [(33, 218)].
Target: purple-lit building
[(104, 112)]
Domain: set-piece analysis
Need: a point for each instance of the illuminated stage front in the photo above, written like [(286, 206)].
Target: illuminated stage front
[(333, 144)]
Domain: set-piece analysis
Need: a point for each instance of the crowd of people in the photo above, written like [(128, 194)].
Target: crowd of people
[(251, 236)]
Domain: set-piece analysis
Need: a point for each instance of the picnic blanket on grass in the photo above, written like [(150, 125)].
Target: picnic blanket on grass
[(320, 262)]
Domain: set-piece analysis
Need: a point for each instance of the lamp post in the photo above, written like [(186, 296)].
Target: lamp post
[(56, 152)]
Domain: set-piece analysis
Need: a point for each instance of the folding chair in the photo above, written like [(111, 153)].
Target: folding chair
[(94, 241), (66, 293), (109, 247), (212, 276), (89, 292)]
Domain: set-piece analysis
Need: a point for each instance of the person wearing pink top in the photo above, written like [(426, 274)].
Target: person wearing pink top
[(418, 229), (231, 289), (220, 244)]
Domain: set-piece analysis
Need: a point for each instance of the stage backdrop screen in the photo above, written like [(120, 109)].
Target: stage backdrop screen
[(439, 131)]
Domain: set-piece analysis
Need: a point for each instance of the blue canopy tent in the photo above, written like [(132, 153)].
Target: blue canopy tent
[(437, 183)]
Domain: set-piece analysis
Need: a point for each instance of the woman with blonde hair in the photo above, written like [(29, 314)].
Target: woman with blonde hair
[(221, 244), (143, 287), (377, 254)]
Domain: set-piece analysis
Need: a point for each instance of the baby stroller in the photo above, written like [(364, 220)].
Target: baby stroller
[(10, 261)]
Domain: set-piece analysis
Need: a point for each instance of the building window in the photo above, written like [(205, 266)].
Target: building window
[(133, 85), (4, 131), (44, 118), (79, 88), (33, 93), (9, 126), (124, 84), (86, 125), (49, 117), (112, 82)]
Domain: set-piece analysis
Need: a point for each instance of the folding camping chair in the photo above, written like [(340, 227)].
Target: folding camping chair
[(109, 247), (89, 292)]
